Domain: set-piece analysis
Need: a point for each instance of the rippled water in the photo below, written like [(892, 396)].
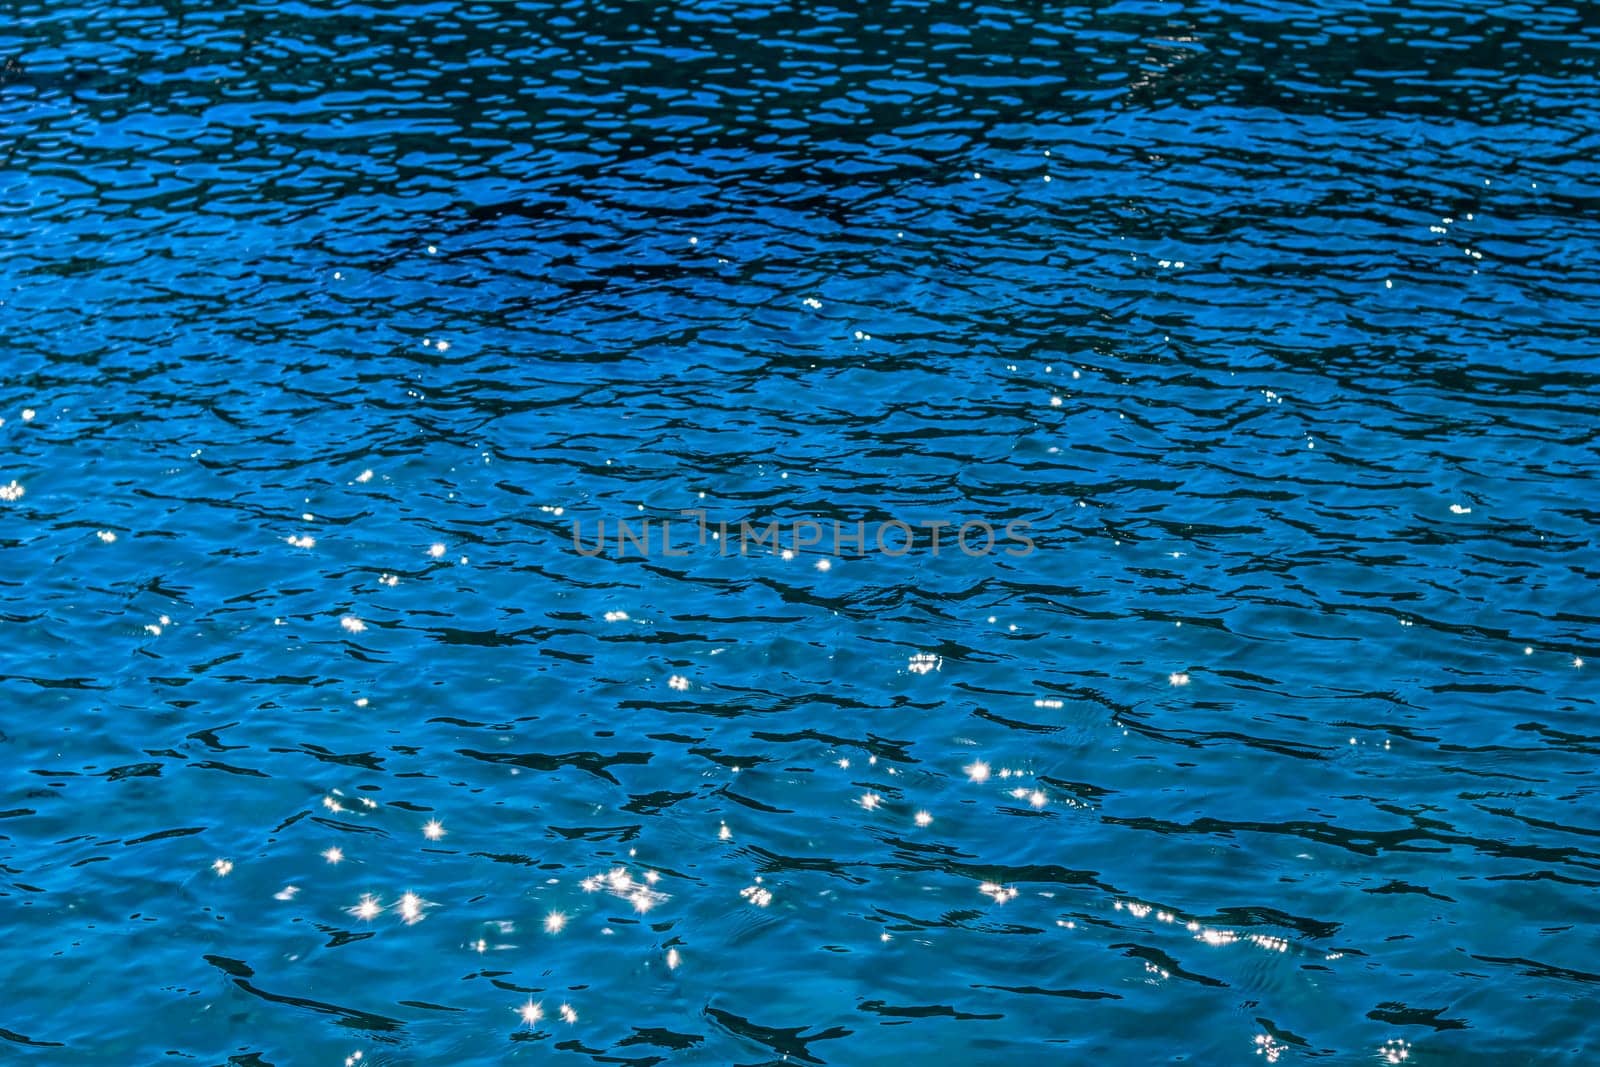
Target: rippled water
[(1272, 322)]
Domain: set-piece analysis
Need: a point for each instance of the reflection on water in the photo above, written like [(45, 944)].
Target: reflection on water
[(326, 324)]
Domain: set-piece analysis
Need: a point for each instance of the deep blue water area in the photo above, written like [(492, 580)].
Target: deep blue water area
[(333, 332)]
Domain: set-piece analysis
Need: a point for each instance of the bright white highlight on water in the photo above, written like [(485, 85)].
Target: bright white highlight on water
[(304, 541), (924, 662), (368, 909), (530, 1012), (620, 883), (107, 536), (352, 624), (333, 855), (555, 922), (923, 818), (410, 907), (616, 616), (977, 771), (433, 829), (1178, 678), (678, 682), (568, 1015), (757, 895), (1457, 509), (999, 893), (436, 550), (1396, 1050), (11, 492), (870, 801), (1268, 1048), (365, 476), (223, 868)]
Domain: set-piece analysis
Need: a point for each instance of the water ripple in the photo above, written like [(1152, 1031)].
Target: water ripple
[(326, 325)]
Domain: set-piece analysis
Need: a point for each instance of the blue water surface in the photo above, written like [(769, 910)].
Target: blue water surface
[(325, 323)]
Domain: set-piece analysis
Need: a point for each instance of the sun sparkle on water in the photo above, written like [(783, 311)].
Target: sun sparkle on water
[(410, 907)]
